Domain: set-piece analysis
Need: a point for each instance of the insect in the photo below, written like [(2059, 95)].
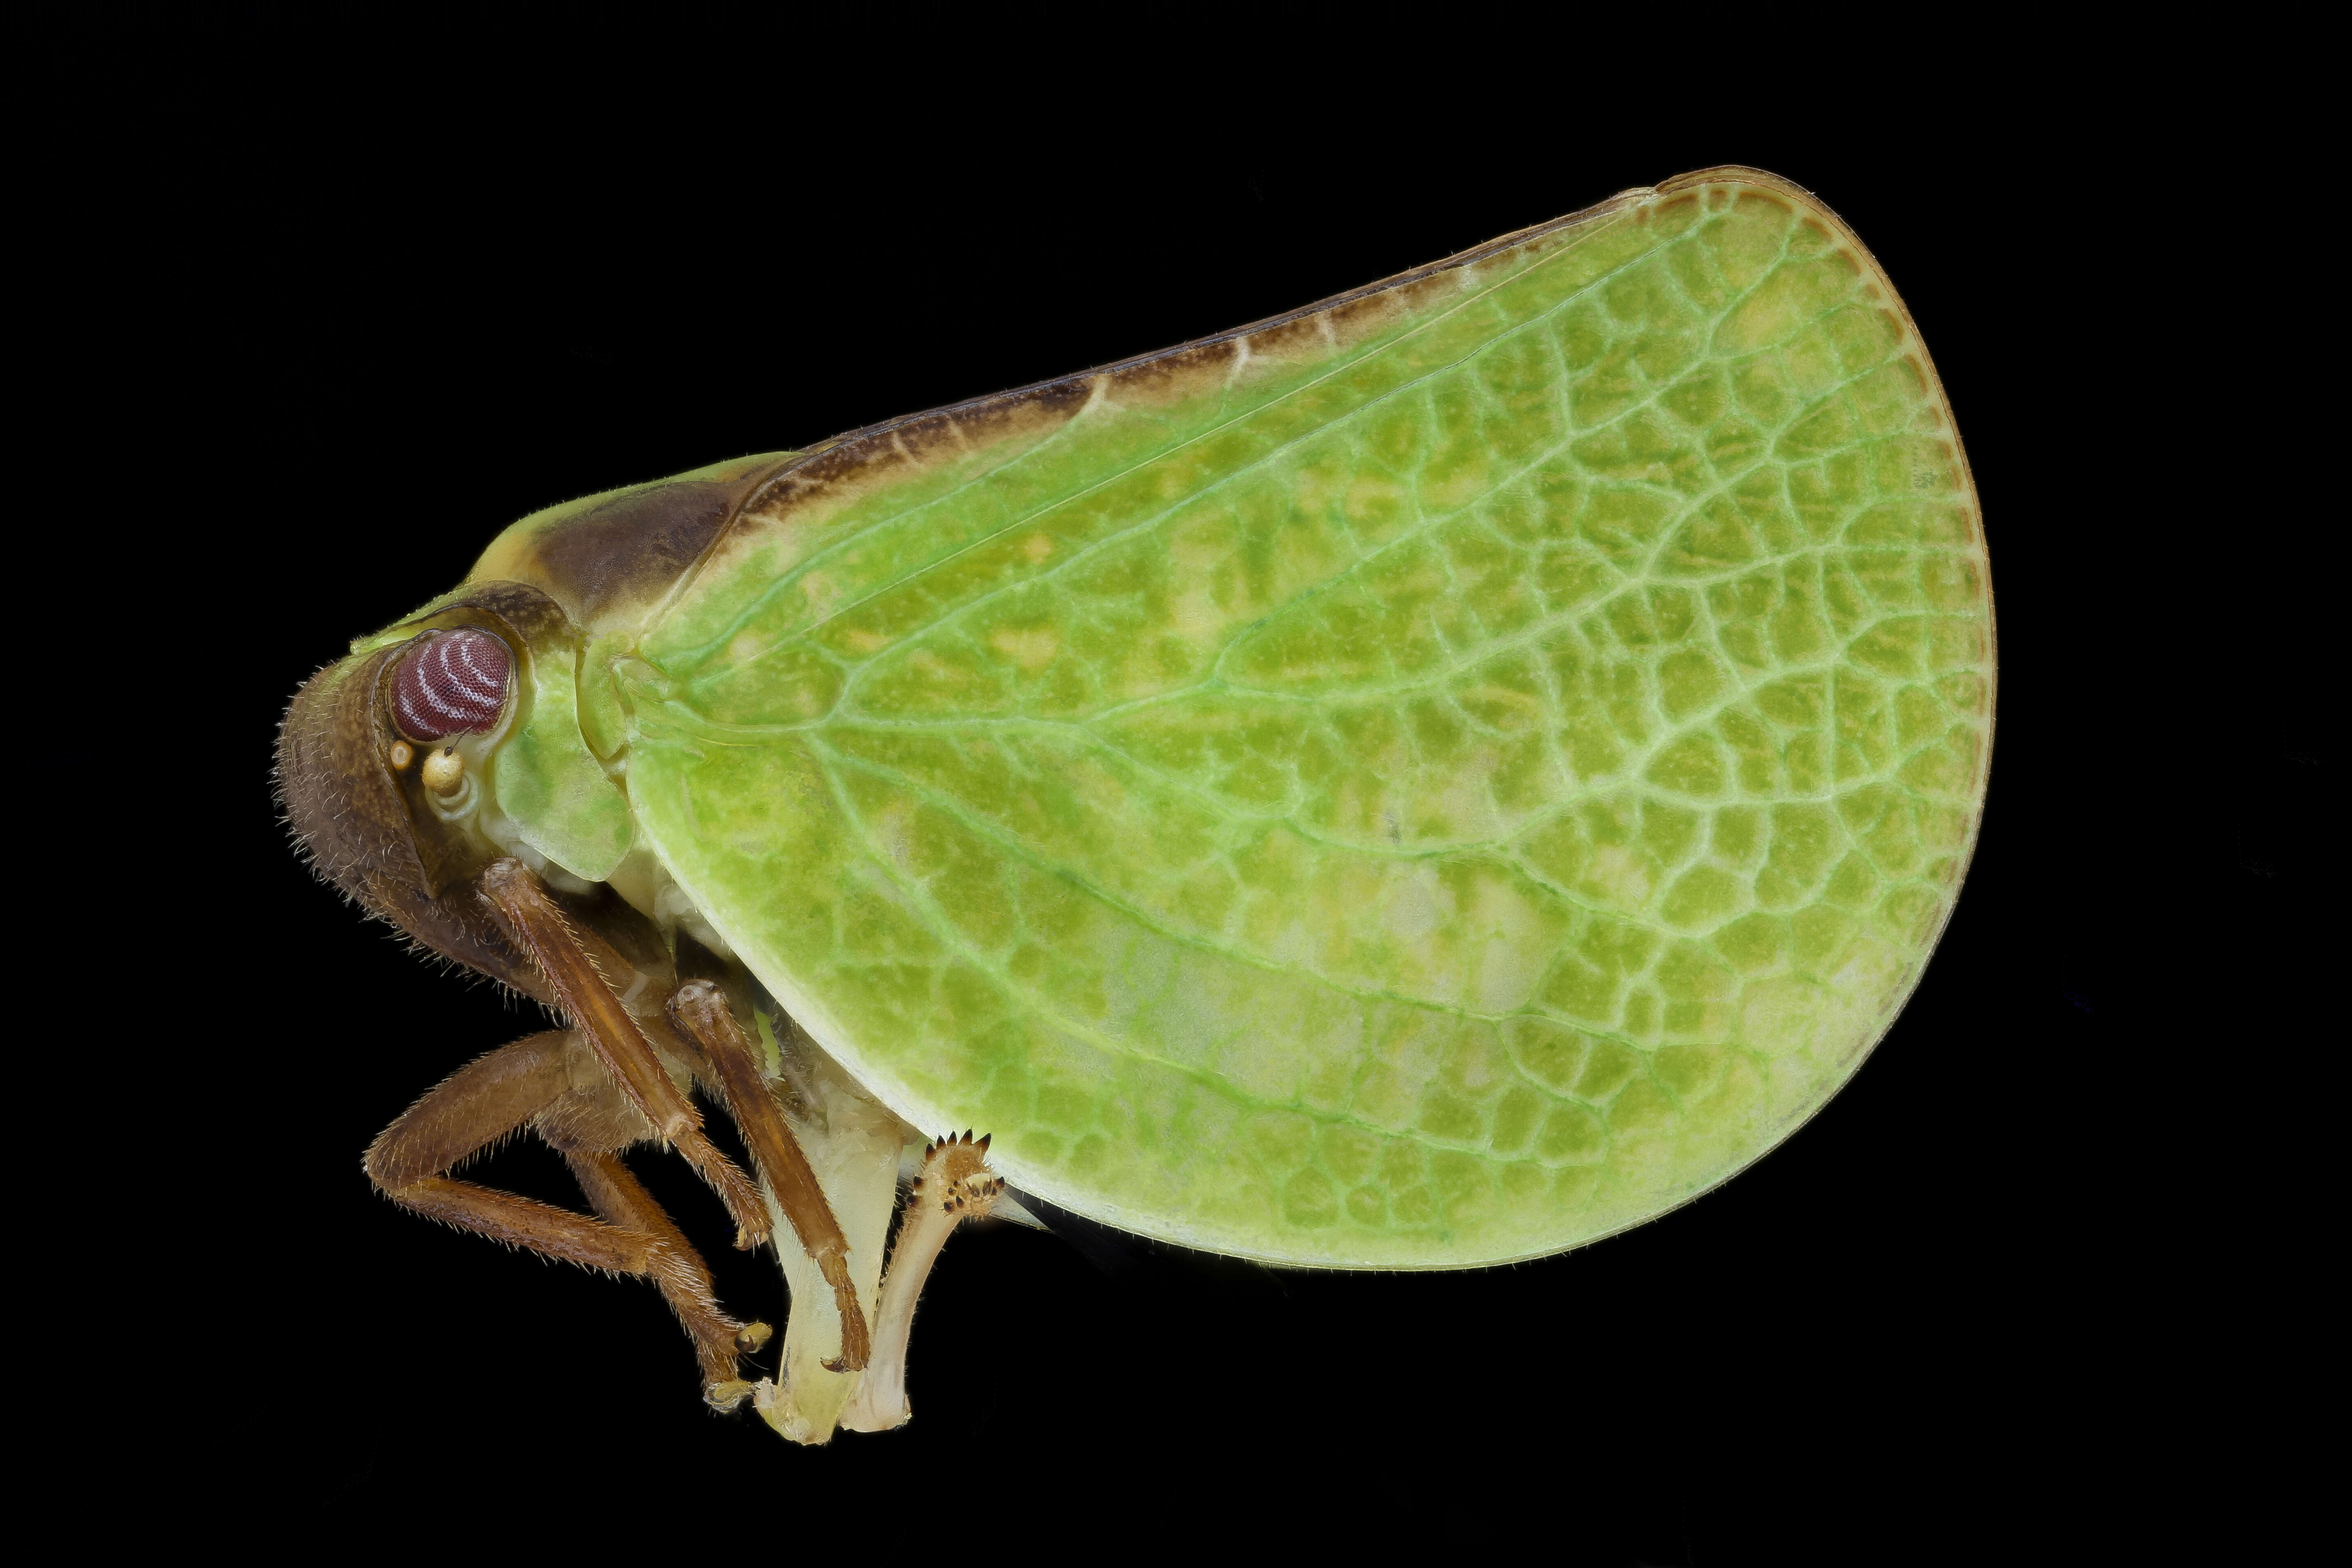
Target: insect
[(1429, 779)]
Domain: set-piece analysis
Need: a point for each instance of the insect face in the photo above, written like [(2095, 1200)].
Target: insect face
[(383, 768)]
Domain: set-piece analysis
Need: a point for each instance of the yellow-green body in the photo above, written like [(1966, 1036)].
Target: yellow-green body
[(1429, 781)]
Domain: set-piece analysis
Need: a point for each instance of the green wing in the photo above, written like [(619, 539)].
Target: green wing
[(1431, 779)]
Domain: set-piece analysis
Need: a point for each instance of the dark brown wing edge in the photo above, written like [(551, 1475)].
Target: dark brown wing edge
[(1059, 388)]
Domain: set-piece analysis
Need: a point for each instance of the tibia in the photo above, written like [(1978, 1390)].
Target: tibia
[(956, 1184)]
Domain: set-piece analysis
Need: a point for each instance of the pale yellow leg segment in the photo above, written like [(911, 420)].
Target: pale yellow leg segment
[(956, 1184), (854, 1146)]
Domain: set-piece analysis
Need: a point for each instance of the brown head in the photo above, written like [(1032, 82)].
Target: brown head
[(353, 763)]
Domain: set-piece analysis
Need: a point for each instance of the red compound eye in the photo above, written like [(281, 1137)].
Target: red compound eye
[(451, 681)]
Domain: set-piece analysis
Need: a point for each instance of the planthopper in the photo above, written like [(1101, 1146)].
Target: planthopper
[(1429, 779)]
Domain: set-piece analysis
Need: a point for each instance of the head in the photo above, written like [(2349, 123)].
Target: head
[(379, 758)]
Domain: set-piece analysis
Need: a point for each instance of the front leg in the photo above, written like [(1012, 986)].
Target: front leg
[(530, 1083), (614, 1191), (472, 1108)]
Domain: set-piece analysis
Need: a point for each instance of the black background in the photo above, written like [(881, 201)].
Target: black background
[(343, 325)]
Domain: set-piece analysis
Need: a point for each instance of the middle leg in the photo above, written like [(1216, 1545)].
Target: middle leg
[(700, 1009)]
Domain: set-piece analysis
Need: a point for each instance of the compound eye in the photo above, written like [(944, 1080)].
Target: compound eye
[(451, 683)]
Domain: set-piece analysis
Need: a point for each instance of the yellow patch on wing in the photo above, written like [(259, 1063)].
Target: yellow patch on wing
[(1032, 649)]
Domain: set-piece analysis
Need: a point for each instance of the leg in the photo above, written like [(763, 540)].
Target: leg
[(539, 926), (589, 1127), (483, 1104), (700, 1009), (679, 1269), (477, 1105), (956, 1186)]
